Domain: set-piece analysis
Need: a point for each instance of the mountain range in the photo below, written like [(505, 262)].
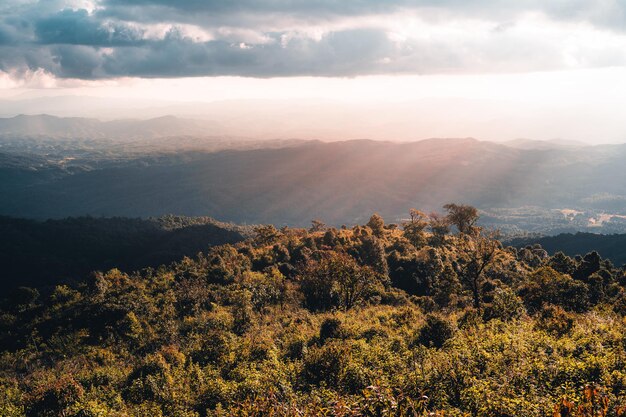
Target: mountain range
[(81, 127), (293, 183)]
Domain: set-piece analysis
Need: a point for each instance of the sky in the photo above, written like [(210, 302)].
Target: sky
[(543, 68)]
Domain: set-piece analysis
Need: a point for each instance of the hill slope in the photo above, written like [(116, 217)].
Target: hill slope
[(360, 322), (339, 182), (613, 247), (47, 253)]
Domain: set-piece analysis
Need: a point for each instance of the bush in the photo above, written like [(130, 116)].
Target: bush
[(471, 317), (325, 365), (548, 286), (506, 306), (242, 312), (56, 400), (435, 332), (336, 280), (553, 319), (330, 328), (214, 348), (354, 379), (296, 348)]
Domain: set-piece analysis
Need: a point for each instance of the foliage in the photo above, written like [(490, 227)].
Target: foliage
[(435, 332), (362, 321), (69, 249)]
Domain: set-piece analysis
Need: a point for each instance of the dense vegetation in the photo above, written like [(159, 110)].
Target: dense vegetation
[(37, 253), (611, 246), (374, 320)]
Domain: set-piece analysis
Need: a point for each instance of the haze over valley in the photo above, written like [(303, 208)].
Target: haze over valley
[(142, 168)]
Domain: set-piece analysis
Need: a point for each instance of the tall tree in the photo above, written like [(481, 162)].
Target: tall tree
[(463, 217), (377, 224), (414, 228), (477, 253)]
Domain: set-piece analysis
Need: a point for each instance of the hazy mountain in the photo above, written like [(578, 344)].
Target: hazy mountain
[(332, 119), (83, 106), (523, 143), (43, 124), (339, 182), (80, 127)]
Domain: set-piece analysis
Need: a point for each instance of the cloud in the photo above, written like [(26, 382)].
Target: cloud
[(166, 38), (77, 27), (602, 13)]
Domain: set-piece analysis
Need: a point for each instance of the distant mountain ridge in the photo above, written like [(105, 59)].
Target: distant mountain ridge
[(338, 182), (330, 119), (611, 246), (81, 127), (523, 143)]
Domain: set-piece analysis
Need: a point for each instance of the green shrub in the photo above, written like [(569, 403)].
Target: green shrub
[(548, 286), (506, 306), (325, 365), (331, 328), (435, 332), (555, 320)]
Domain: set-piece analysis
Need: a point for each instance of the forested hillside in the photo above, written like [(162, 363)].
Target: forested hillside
[(46, 253), (612, 246), (291, 183), (431, 317)]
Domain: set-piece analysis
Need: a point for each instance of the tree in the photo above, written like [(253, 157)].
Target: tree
[(414, 228), (317, 226), (377, 224), (562, 263), (547, 286), (266, 234), (336, 280), (506, 306), (242, 311), (371, 252), (476, 254), (440, 227), (463, 217), (221, 265), (353, 281), (445, 286), (590, 264)]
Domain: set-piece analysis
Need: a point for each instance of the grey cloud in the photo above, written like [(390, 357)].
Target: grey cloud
[(6, 37), (79, 28), (131, 8), (78, 61), (24, 57), (342, 53), (345, 53), (13, 31), (111, 41), (607, 14)]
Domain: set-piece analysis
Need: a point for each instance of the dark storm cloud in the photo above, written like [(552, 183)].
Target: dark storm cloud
[(151, 38), (79, 28), (6, 38), (312, 9), (343, 53), (608, 13), (339, 53)]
